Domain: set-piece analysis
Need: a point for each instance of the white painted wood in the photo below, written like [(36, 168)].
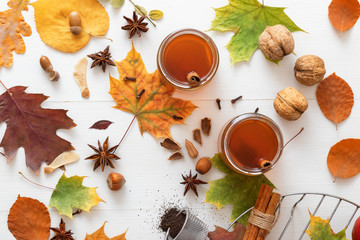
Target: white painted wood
[(152, 180)]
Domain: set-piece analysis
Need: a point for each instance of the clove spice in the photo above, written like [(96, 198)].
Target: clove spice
[(176, 117), (218, 103), (129, 78), (236, 99), (256, 110), (140, 93)]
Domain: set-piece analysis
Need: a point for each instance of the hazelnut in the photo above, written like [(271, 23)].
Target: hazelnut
[(276, 42), (203, 165), (115, 181), (290, 103), (309, 70)]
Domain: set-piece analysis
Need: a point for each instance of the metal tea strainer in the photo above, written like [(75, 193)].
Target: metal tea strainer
[(193, 228)]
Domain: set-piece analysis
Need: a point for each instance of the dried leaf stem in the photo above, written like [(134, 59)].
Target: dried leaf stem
[(302, 129), (35, 182), (147, 17)]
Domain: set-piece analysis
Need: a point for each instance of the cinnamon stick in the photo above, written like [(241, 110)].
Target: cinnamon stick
[(261, 205), (275, 198)]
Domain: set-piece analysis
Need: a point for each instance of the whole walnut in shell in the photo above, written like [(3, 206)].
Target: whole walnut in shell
[(276, 42), (290, 103), (309, 70)]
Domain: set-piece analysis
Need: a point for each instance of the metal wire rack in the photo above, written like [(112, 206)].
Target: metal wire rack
[(302, 196)]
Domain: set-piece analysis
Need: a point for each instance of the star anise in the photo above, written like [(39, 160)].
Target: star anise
[(104, 155), (191, 182), (135, 25), (61, 233), (102, 58)]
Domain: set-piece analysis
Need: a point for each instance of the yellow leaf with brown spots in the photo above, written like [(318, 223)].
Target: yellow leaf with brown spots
[(156, 108), (52, 22), (12, 26), (100, 235)]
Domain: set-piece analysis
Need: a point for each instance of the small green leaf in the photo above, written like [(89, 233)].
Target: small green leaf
[(156, 14), (70, 193), (140, 10), (320, 229), (237, 189), (117, 3)]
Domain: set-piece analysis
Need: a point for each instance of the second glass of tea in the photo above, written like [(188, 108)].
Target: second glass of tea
[(187, 59), (250, 144)]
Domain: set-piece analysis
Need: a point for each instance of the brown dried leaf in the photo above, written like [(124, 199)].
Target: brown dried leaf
[(193, 153), (343, 14), (344, 158), (197, 136), (206, 126), (29, 219), (222, 234), (101, 125), (176, 156), (170, 144), (335, 98), (26, 121)]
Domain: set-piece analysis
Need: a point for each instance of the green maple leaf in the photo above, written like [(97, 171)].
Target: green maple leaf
[(248, 19), (320, 229), (70, 193), (237, 189)]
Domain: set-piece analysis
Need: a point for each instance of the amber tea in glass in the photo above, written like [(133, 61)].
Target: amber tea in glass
[(184, 52), (250, 143)]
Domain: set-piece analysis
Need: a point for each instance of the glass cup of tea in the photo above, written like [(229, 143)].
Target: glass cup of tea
[(187, 59), (250, 144)]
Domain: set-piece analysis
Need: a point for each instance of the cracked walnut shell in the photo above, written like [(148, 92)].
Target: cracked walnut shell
[(276, 42), (309, 70), (290, 103)]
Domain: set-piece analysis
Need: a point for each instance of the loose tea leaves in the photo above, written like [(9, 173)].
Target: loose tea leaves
[(248, 19), (12, 26), (174, 220), (25, 120), (32, 215), (156, 107), (100, 235)]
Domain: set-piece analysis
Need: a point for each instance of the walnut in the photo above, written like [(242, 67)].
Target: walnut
[(309, 70), (276, 42), (290, 103)]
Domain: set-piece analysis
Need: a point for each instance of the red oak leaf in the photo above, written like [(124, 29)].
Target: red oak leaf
[(32, 127), (222, 234)]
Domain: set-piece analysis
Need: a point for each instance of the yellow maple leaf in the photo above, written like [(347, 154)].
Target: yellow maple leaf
[(100, 235), (52, 22), (12, 26), (156, 108)]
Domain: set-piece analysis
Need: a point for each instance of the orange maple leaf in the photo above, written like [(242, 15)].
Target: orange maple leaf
[(344, 158), (100, 235), (12, 26), (343, 14), (156, 108)]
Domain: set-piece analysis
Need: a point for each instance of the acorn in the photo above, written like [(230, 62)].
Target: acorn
[(75, 23)]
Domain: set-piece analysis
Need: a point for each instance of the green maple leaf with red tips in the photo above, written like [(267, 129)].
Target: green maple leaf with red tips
[(247, 19)]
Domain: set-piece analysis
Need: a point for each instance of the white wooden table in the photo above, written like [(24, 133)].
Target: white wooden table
[(153, 181)]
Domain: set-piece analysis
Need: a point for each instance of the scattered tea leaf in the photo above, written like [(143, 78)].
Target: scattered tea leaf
[(344, 158), (176, 156), (320, 229), (155, 108), (117, 3), (335, 98), (170, 144), (237, 189), (25, 121), (70, 193), (12, 26), (29, 219), (248, 19), (222, 234), (100, 235), (343, 14), (156, 14), (101, 125), (61, 160), (197, 136), (55, 30)]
